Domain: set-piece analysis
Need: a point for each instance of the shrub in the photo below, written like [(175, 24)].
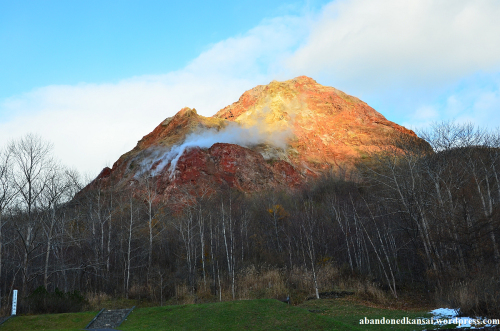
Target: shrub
[(43, 302), (479, 296)]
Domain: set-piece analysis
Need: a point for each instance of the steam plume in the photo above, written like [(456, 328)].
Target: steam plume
[(231, 134)]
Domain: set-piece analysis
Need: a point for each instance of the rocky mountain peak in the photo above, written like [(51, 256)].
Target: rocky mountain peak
[(275, 135)]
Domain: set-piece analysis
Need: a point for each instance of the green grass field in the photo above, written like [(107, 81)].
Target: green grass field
[(265, 314), (71, 321)]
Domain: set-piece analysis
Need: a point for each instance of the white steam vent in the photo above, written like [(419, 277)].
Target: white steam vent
[(231, 134)]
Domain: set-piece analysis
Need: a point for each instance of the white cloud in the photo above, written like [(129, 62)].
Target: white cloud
[(425, 113), (392, 42), (400, 55), (485, 111), (479, 106), (91, 125), (405, 56)]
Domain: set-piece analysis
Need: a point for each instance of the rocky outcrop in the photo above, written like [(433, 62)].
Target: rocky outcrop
[(329, 127), (319, 127)]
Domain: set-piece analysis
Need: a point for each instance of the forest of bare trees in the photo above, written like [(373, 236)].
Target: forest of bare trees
[(407, 219)]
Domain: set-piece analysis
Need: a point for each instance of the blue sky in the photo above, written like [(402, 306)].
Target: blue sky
[(95, 76), (68, 42)]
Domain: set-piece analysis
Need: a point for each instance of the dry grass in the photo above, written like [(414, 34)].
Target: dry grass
[(476, 297), (328, 277), (184, 294), (300, 278), (95, 300), (138, 292), (255, 282), (204, 292), (367, 290), (267, 282)]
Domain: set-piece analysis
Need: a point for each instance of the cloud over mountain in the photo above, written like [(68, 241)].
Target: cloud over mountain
[(399, 56)]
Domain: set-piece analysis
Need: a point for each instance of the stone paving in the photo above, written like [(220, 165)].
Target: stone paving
[(109, 319)]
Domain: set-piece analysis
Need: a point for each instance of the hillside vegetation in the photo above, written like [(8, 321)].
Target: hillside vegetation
[(403, 223)]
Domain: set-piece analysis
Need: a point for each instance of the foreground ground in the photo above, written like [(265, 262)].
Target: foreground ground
[(265, 314)]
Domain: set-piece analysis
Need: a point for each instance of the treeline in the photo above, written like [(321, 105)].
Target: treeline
[(408, 219)]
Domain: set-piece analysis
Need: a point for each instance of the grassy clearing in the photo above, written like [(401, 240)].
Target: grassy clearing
[(69, 321), (350, 311), (264, 314)]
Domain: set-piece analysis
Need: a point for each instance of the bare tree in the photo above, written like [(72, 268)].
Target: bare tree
[(7, 193), (58, 189), (31, 157), (150, 196), (398, 173), (130, 229), (308, 226)]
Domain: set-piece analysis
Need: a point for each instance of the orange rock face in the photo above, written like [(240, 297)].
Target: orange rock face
[(329, 127), (319, 127)]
